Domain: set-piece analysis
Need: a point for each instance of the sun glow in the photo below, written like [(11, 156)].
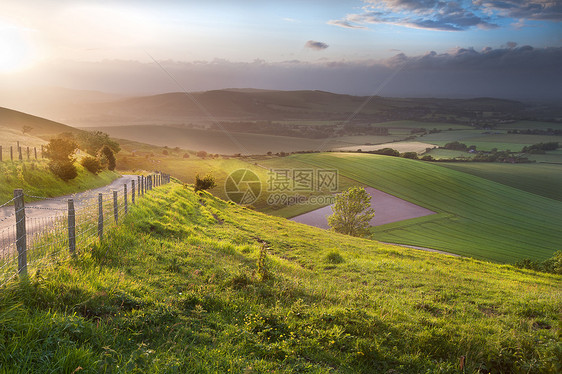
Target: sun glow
[(15, 49)]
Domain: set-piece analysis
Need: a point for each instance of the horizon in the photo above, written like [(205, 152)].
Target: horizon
[(392, 48)]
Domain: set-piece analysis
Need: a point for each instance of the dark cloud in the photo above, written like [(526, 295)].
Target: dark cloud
[(546, 10), (521, 72), (317, 46), (451, 15)]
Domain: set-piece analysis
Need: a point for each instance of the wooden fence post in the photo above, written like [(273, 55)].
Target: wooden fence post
[(71, 227), (100, 216), (133, 191), (11, 153), (125, 198), (0, 153), (42, 156), (20, 155), (21, 235), (35, 151), (115, 207), (28, 154)]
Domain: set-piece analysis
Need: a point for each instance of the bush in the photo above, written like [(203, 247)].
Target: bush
[(92, 164), (387, 152), (205, 183), (412, 155), (334, 258), (165, 152), (65, 170), (427, 158), (201, 154), (186, 155)]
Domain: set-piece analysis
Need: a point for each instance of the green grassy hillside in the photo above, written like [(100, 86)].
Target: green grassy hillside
[(36, 179), (177, 288), (476, 217)]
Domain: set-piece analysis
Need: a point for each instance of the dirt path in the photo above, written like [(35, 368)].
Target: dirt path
[(57, 206)]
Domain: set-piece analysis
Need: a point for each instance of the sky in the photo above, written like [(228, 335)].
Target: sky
[(500, 48)]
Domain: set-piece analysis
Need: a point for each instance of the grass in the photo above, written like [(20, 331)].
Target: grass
[(476, 217), (439, 153), (35, 178), (419, 124), (176, 289), (541, 179)]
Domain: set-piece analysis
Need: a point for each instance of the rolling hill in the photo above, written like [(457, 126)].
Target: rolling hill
[(476, 217), (15, 121), (192, 284)]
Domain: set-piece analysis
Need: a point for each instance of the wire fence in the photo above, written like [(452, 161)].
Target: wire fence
[(19, 152), (33, 235)]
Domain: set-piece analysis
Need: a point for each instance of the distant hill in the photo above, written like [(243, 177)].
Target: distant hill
[(252, 104), (40, 127)]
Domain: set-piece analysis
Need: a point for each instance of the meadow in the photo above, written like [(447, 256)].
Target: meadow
[(476, 217), (192, 284)]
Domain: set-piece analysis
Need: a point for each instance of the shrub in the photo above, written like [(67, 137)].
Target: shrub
[(201, 154), (165, 152), (186, 155), (204, 183), (92, 164), (334, 258), (427, 158), (387, 152), (65, 170)]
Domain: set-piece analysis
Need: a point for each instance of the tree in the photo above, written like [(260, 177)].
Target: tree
[(61, 153), (107, 157), (204, 183), (352, 212), (92, 141)]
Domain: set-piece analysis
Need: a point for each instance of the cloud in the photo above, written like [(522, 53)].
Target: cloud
[(511, 44), (317, 46), (519, 72), (419, 14), (545, 10), (345, 23)]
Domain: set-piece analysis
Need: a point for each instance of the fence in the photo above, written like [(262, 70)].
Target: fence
[(33, 234), (20, 153)]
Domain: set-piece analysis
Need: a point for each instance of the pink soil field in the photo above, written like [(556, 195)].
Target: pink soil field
[(387, 208)]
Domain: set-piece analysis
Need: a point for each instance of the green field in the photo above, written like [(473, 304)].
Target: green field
[(540, 179), (485, 142), (476, 217), (177, 289), (524, 125), (440, 153)]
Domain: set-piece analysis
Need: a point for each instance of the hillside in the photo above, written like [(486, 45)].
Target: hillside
[(177, 288), (229, 104), (476, 217), (15, 121)]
